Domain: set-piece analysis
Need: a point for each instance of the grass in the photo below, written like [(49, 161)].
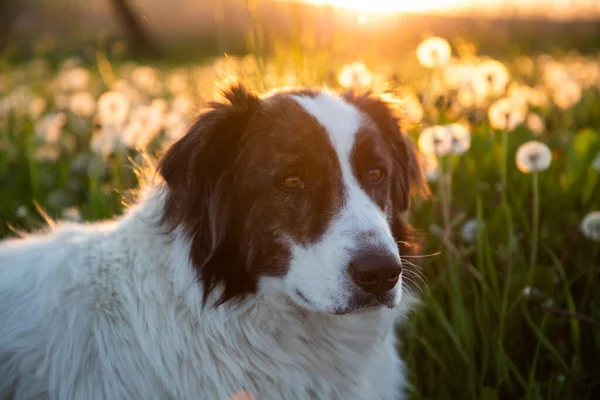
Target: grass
[(497, 321)]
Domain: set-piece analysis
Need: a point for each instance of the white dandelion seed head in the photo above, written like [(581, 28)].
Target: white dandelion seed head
[(82, 104), (177, 81), (533, 156), (436, 140), (74, 79), (72, 214), (47, 152), (37, 107), (567, 94), (506, 113), (590, 225), (458, 74), (355, 75), (49, 127), (490, 78), (461, 138), (470, 229), (146, 79), (430, 167), (113, 108), (434, 52), (105, 141), (182, 104), (538, 97), (535, 123), (145, 123), (596, 163)]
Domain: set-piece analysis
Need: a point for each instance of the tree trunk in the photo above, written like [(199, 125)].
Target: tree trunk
[(8, 14), (138, 37)]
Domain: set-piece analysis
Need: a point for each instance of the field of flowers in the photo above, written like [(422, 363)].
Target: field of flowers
[(510, 273)]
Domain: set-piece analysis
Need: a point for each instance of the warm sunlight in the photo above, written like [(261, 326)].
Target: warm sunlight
[(387, 6)]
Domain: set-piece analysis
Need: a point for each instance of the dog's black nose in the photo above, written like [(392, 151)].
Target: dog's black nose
[(375, 273)]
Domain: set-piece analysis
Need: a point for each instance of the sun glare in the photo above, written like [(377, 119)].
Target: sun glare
[(390, 6)]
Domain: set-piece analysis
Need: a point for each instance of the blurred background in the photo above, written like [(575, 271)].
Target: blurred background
[(502, 97), (203, 27)]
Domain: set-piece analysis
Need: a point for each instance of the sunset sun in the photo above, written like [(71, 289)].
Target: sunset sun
[(389, 6)]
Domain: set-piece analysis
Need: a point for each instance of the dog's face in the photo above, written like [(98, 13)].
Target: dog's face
[(298, 191)]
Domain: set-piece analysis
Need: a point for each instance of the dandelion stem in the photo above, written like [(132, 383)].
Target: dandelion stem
[(504, 163), (535, 228)]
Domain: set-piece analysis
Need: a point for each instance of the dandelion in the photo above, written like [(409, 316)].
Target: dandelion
[(74, 79), (175, 126), (430, 167), (596, 163), (535, 124), (48, 152), (538, 97), (434, 52), (104, 142), (72, 214), (534, 157), (506, 114), (113, 108), (82, 104), (144, 125), (177, 81), (182, 104), (49, 127), (590, 226), (37, 107), (461, 138), (458, 75), (490, 78), (355, 75), (567, 95), (436, 140), (470, 229), (146, 78)]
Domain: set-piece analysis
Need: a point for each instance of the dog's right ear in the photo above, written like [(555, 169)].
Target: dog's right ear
[(198, 171), (194, 165)]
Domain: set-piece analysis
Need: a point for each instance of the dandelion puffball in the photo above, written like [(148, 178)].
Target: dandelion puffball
[(436, 140), (355, 75), (507, 113), (434, 52), (113, 108), (567, 94), (490, 78), (461, 138), (596, 163), (533, 156), (469, 230), (590, 226), (535, 124)]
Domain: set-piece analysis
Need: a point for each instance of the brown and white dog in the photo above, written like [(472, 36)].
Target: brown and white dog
[(267, 258)]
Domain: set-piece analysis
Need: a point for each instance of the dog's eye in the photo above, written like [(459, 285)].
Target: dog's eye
[(375, 175), (292, 182)]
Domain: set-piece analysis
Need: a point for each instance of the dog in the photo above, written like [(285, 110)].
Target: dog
[(265, 257)]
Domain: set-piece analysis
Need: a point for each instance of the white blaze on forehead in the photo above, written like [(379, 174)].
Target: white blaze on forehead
[(341, 121)]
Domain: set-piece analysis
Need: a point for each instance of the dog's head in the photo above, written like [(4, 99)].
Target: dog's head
[(299, 190)]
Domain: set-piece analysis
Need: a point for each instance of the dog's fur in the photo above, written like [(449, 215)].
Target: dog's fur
[(220, 279)]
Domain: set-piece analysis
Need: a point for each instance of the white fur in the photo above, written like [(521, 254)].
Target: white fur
[(320, 271), (112, 311)]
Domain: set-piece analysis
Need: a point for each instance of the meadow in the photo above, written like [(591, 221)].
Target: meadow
[(511, 149)]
